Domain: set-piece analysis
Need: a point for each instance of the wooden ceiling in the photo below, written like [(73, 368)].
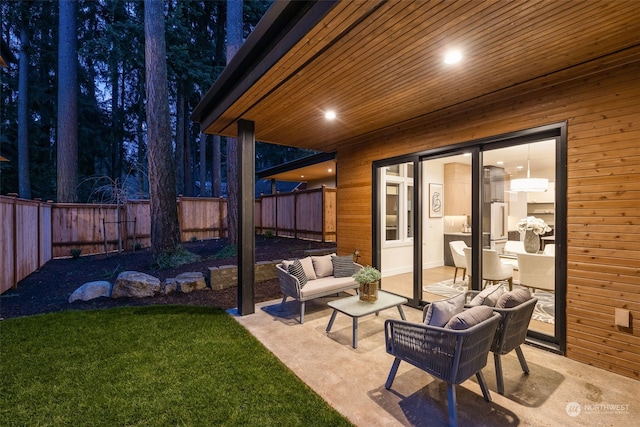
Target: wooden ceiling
[(377, 64)]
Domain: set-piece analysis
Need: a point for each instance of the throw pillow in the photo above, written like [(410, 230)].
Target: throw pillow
[(322, 265), (343, 266), (513, 298), (307, 264), (297, 270), (470, 317), (489, 296), (440, 312), (286, 264)]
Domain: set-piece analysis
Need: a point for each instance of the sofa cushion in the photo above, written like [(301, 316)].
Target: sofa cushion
[(322, 266), (307, 264), (297, 271), (440, 312), (470, 317), (489, 296), (326, 286), (513, 298), (343, 266)]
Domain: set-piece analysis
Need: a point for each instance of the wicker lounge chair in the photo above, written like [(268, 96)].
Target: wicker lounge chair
[(450, 355), (511, 333)]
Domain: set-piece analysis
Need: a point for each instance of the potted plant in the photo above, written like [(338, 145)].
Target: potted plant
[(367, 277), (532, 227)]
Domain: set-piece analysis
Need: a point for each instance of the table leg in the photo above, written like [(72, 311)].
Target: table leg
[(333, 317), (355, 332), (401, 312)]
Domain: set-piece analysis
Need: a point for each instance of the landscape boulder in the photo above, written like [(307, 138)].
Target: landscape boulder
[(91, 290), (187, 282), (136, 285)]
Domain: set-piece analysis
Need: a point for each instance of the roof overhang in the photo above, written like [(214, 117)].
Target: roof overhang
[(379, 64), (311, 168)]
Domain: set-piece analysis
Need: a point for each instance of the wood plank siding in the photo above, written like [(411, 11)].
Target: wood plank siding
[(601, 106)]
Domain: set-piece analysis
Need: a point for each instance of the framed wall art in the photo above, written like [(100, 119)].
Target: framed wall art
[(436, 207)]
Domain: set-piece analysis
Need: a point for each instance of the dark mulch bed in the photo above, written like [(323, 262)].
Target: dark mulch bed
[(48, 289)]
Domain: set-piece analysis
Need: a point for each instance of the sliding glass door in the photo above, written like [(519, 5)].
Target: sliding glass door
[(442, 216)]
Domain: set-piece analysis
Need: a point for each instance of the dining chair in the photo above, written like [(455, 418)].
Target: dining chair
[(459, 259), (493, 270), (537, 271)]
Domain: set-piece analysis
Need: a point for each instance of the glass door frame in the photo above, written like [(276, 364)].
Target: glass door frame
[(557, 131)]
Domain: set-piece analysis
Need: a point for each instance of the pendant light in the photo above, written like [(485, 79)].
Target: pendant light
[(528, 184)]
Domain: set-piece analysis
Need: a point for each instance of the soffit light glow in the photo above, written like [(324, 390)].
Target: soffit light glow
[(330, 115), (453, 57), (528, 184)]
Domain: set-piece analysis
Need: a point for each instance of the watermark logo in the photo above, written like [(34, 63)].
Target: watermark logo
[(574, 409)]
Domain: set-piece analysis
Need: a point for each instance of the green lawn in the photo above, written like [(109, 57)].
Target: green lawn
[(156, 365)]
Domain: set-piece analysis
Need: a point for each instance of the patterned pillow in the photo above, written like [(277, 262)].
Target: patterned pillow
[(297, 271), (343, 266)]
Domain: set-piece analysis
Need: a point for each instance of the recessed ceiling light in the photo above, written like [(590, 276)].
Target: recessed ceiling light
[(330, 170), (519, 167), (330, 115), (500, 162), (453, 57), (301, 176)]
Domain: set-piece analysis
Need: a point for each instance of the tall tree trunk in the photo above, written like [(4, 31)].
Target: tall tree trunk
[(234, 41), (165, 232), (67, 153), (180, 143), (203, 165), (24, 182), (216, 168), (188, 155)]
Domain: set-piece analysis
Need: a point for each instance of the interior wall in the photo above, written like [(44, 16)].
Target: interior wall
[(599, 103)]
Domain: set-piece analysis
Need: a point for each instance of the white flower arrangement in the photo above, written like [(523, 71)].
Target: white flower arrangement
[(531, 223)]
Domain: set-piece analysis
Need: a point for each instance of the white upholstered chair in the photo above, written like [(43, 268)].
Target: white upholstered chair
[(459, 260), (493, 270), (514, 247), (537, 271)]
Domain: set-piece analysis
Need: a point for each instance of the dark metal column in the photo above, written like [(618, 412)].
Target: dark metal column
[(246, 226)]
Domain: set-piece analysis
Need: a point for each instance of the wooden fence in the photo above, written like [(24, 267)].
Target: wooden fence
[(25, 238), (64, 228), (306, 214)]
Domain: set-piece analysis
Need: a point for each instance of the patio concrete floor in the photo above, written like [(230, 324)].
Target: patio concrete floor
[(558, 391)]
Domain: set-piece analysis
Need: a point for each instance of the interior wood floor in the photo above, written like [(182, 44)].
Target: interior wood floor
[(402, 284)]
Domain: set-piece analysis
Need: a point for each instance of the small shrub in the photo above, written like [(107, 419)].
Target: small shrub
[(75, 253), (268, 234), (137, 246), (178, 256), (194, 239), (228, 251)]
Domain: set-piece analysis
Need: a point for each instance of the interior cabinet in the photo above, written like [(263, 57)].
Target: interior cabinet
[(457, 189)]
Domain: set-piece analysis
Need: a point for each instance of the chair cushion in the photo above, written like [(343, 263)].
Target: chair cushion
[(343, 266), (513, 298), (322, 265), (470, 317), (297, 270), (307, 264), (489, 296), (440, 312)]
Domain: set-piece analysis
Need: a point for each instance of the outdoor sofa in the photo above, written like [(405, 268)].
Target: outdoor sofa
[(317, 279)]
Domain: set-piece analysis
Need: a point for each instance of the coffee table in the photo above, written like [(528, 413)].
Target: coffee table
[(354, 308)]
